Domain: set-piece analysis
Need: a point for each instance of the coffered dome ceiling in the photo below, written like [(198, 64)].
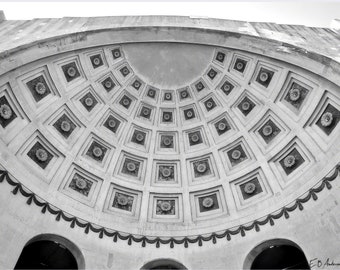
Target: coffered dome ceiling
[(167, 139)]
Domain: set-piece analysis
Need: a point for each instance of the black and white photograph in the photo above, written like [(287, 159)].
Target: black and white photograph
[(191, 135)]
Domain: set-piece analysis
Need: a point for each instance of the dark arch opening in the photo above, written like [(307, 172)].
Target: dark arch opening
[(164, 267), (163, 264), (50, 252), (280, 257), (276, 254)]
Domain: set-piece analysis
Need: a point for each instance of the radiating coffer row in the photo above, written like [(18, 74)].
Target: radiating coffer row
[(65, 122), (269, 129), (39, 154), (82, 186)]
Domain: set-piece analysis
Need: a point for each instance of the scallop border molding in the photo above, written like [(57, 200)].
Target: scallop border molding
[(192, 239)]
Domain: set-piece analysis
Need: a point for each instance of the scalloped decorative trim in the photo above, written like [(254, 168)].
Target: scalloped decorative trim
[(60, 214)]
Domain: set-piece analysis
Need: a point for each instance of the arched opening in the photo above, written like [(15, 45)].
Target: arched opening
[(163, 264), (276, 254), (50, 252)]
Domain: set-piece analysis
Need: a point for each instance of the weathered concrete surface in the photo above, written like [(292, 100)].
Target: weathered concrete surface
[(319, 40)]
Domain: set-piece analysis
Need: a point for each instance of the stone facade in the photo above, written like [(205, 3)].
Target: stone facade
[(193, 141)]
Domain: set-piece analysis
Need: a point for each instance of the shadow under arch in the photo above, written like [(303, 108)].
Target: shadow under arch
[(269, 244), (163, 264), (58, 240)]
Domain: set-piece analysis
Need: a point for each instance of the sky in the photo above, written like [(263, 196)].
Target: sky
[(316, 14)]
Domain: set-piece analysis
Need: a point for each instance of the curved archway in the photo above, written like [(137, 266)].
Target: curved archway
[(276, 254), (49, 251), (163, 264)]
